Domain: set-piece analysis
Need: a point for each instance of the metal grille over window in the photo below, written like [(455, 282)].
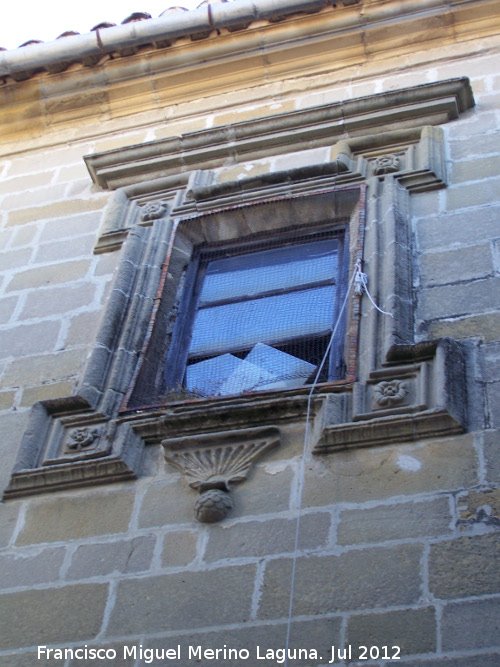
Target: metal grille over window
[(259, 318)]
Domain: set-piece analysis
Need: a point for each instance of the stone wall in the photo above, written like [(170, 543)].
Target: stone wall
[(397, 545)]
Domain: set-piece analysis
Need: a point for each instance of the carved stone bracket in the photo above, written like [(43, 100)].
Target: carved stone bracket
[(418, 394), (67, 445), (213, 462)]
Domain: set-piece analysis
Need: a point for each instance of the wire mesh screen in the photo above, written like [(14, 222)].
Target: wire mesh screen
[(259, 317), (251, 315)]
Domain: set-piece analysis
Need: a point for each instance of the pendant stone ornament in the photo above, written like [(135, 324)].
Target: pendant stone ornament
[(213, 462)]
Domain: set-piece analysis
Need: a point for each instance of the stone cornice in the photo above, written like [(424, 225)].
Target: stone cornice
[(395, 116), (326, 42)]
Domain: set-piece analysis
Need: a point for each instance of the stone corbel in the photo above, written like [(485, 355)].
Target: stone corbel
[(66, 445), (418, 393), (213, 462)]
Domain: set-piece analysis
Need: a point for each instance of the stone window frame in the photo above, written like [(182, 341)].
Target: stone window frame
[(403, 389), (236, 225)]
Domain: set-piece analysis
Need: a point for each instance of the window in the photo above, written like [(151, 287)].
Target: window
[(258, 315)]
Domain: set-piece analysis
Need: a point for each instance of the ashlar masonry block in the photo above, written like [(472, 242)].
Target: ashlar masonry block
[(71, 517), (51, 615), (357, 579), (92, 560), (318, 634), (260, 538), (184, 600), (470, 625), (393, 522), (382, 472), (465, 567), (414, 631), (26, 570)]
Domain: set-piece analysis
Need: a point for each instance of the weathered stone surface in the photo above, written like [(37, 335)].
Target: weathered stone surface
[(413, 630), (24, 235), (394, 522), (493, 393), (26, 570), (475, 169), (46, 391), (490, 362), (56, 251), (42, 276), (106, 651), (469, 625), (58, 300), (466, 566), (73, 517), (47, 160), (23, 183), (15, 258), (491, 448), (485, 327), (473, 194), (459, 300), (442, 268), (460, 227), (12, 425), (7, 399), (83, 328), (8, 519), (70, 227), (51, 615), (187, 600), (55, 210), (28, 659), (489, 660), (34, 196), (325, 584), (29, 339), (179, 548), (319, 635), (382, 472), (486, 143), (92, 560), (258, 538), (267, 489), (469, 504), (7, 307), (167, 501), (44, 368)]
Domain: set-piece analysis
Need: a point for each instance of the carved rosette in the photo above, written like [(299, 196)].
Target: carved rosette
[(386, 164), (389, 393), (82, 438), (212, 468), (153, 210)]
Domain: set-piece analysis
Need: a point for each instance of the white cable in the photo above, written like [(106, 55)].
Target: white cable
[(359, 279), (362, 285), (357, 268)]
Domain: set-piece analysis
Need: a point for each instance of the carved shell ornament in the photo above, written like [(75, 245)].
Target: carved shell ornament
[(389, 393), (212, 469), (153, 210), (81, 438), (385, 164)]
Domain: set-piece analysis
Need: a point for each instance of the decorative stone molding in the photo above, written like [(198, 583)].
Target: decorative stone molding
[(376, 121), (213, 462), (99, 435), (422, 395)]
